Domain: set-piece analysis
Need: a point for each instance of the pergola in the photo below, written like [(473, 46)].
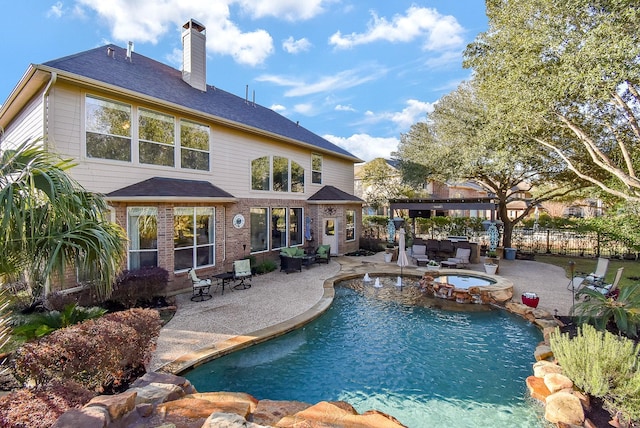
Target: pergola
[(425, 207)]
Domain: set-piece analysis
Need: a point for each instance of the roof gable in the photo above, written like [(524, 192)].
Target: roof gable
[(149, 77)]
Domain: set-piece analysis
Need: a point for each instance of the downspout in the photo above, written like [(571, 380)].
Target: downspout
[(45, 109), (45, 140)]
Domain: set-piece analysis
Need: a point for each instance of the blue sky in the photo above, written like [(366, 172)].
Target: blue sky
[(357, 73)]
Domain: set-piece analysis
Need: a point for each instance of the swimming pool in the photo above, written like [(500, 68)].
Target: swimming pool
[(426, 367)]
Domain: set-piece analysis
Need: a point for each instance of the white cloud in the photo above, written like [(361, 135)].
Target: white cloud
[(278, 107), (290, 10), (438, 31), (365, 146), (148, 21), (55, 10), (296, 46), (304, 108), (339, 81), (340, 107), (415, 111)]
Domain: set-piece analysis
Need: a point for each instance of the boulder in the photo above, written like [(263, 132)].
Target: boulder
[(556, 382), (543, 367), (268, 412), (564, 407), (325, 414), (194, 408), (229, 420), (537, 388), (88, 417), (543, 352), (117, 405)]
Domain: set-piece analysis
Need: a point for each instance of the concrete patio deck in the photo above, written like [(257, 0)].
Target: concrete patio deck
[(278, 302)]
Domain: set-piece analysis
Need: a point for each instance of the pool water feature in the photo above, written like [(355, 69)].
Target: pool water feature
[(426, 367)]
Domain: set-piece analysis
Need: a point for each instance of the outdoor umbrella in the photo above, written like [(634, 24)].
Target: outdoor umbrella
[(403, 260)]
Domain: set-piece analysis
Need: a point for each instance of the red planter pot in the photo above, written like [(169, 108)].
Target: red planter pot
[(532, 302)]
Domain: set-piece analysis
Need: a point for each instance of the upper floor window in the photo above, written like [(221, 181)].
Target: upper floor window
[(156, 138), (316, 168), (277, 174), (194, 140), (108, 126), (116, 131)]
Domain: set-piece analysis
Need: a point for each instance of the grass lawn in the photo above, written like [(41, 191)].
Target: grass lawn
[(631, 274)]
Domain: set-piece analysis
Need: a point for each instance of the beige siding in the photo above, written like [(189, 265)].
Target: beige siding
[(28, 125), (231, 155)]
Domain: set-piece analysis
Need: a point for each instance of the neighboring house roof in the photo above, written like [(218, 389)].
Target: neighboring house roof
[(147, 77), (158, 188), (333, 194)]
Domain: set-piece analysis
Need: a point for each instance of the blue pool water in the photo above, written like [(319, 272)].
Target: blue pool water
[(426, 367)]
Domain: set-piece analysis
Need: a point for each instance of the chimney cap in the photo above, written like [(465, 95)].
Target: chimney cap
[(192, 23)]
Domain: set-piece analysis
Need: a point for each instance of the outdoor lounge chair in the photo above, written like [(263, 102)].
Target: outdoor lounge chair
[(594, 278), (461, 259), (200, 287), (609, 290), (242, 273), (419, 254)]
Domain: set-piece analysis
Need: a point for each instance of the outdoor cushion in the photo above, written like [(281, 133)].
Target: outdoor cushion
[(323, 250)]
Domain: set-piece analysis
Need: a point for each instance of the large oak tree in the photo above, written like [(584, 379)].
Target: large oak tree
[(566, 75), (461, 141)]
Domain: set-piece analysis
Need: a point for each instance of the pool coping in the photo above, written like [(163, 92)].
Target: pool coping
[(203, 355)]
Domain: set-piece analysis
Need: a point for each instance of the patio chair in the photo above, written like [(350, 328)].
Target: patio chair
[(433, 246), (461, 259), (200, 287), (609, 290), (242, 273), (323, 254), (419, 254), (594, 278)]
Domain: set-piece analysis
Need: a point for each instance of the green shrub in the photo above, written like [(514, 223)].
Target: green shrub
[(136, 287), (266, 266), (602, 365), (98, 354), (600, 310), (39, 325)]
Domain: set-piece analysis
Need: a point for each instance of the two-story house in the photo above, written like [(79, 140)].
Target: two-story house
[(196, 176)]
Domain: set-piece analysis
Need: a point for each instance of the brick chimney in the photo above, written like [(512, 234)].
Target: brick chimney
[(194, 55)]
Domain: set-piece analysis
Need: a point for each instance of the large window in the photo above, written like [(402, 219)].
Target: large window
[(259, 229), (316, 168), (280, 174), (116, 131), (156, 138), (193, 237), (350, 225), (278, 228), (295, 226), (142, 230), (194, 140), (108, 126), (277, 174)]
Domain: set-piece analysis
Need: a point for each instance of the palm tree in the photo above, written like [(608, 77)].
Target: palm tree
[(50, 223)]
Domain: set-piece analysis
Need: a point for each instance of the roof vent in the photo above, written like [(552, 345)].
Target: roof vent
[(111, 52)]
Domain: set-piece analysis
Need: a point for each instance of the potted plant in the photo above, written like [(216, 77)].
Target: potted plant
[(490, 268), (493, 259), (433, 265)]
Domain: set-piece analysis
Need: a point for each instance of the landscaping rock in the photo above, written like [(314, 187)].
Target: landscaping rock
[(543, 352), (557, 382), (544, 367), (537, 388), (564, 407)]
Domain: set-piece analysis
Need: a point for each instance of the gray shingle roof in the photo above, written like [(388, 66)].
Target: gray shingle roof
[(331, 193), (173, 187), (152, 78)]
